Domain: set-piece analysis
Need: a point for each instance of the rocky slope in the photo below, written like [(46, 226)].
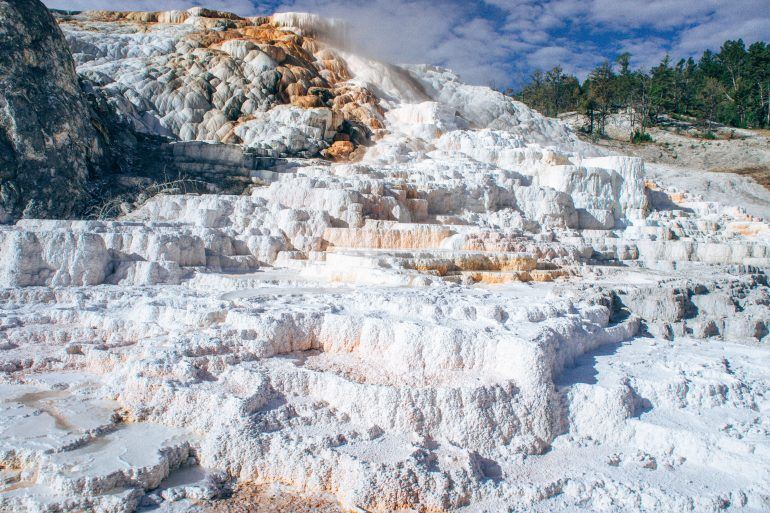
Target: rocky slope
[(680, 156), (424, 297)]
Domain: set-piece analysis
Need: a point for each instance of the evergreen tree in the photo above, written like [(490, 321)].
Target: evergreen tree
[(731, 87), (601, 92)]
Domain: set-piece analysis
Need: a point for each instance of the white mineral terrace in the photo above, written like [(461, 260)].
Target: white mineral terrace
[(481, 313)]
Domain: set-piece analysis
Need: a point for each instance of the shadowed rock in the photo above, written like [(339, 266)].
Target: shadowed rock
[(47, 143)]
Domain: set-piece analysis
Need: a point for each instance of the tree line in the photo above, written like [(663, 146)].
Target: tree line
[(730, 87)]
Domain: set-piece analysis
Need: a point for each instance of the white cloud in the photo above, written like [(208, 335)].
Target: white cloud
[(503, 41), (446, 33), (572, 62), (645, 52), (242, 7), (660, 14)]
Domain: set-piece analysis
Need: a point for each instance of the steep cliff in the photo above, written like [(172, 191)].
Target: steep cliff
[(48, 145)]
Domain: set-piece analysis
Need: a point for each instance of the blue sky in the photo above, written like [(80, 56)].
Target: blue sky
[(501, 42)]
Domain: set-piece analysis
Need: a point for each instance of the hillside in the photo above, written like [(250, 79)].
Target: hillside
[(735, 162), (298, 279)]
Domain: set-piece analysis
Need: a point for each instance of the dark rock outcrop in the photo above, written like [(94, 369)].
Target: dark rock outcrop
[(48, 144)]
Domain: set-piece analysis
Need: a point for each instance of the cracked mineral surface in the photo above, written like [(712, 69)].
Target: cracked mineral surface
[(432, 299)]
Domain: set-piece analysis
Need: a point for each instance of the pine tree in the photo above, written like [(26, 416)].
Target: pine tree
[(600, 91), (731, 87)]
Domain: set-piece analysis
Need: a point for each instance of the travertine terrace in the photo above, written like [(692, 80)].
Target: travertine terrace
[(429, 298)]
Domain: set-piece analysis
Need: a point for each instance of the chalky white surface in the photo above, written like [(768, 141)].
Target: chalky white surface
[(325, 331)]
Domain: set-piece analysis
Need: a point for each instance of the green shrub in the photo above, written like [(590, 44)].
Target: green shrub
[(639, 137)]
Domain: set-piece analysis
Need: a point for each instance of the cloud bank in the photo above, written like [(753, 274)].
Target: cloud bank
[(501, 42)]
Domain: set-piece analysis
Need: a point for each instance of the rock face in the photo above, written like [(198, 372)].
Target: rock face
[(48, 146), (428, 297)]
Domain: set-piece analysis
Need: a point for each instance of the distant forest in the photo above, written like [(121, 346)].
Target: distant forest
[(731, 87)]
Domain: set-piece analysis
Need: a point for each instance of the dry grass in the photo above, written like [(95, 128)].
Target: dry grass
[(114, 206), (759, 173)]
